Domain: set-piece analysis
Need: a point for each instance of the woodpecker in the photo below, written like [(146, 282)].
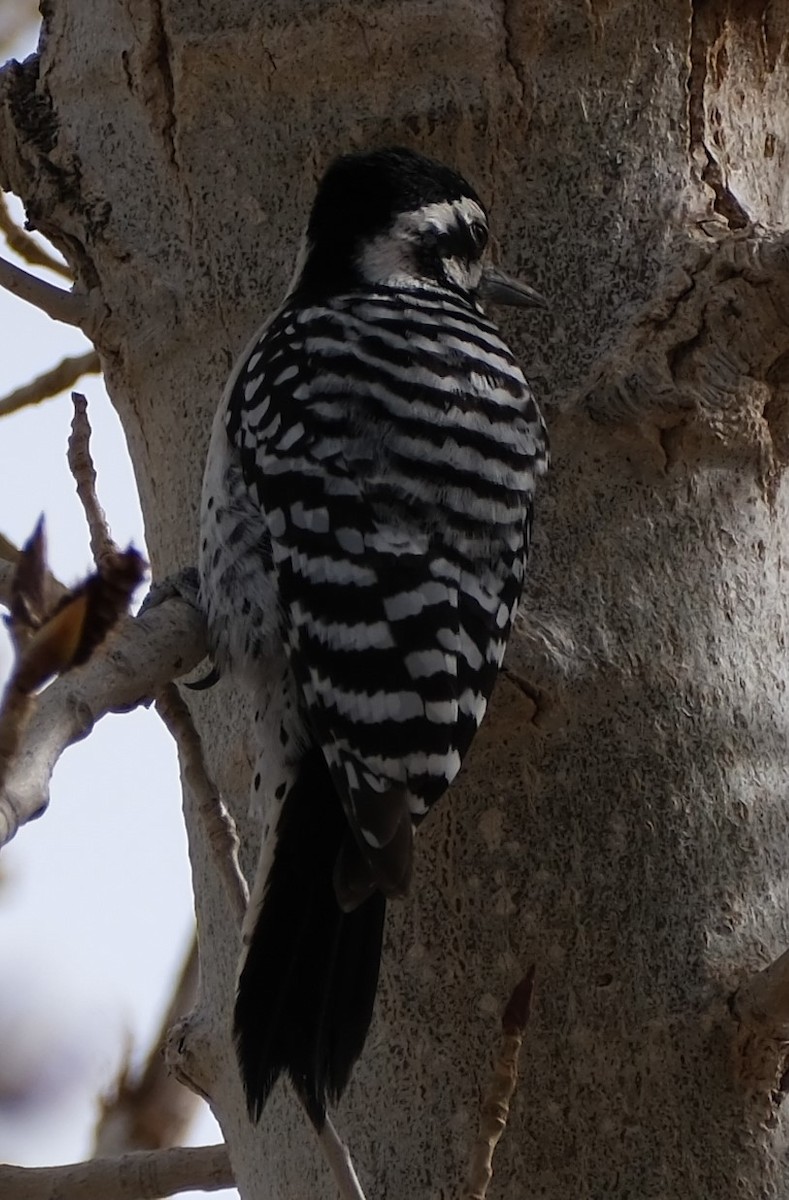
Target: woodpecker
[(365, 525)]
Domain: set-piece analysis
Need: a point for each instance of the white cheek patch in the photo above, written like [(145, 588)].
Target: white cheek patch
[(388, 260), (464, 275)]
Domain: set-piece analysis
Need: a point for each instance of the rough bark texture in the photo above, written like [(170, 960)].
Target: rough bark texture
[(627, 830)]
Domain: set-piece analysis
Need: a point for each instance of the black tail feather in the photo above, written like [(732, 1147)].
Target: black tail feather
[(308, 983)]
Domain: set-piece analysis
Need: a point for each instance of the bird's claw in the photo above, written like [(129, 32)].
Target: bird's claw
[(183, 584)]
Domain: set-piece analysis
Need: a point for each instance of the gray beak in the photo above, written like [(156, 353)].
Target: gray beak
[(497, 288)]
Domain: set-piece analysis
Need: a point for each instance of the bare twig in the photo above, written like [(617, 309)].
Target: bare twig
[(52, 635), (145, 653), (57, 303), (82, 469), (153, 1110), (495, 1106), (51, 383), (219, 826), (340, 1162), (145, 1175), (23, 244)]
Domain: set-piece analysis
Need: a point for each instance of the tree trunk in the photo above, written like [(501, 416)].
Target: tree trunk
[(622, 822)]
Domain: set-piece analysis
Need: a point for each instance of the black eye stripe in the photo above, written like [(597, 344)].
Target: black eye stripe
[(461, 241), (479, 234)]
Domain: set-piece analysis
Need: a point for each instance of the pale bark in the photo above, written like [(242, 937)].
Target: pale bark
[(141, 1175), (623, 822)]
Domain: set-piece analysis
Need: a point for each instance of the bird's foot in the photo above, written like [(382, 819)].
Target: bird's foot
[(182, 585)]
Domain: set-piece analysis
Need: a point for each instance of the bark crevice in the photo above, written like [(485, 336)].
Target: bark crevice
[(704, 362)]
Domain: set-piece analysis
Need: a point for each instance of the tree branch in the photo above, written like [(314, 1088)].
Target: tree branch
[(145, 653), (51, 383), (83, 471), (144, 1175), (340, 1162), (495, 1105), (69, 307), (24, 245), (219, 826)]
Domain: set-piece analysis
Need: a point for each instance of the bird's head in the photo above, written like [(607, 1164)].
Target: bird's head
[(394, 218)]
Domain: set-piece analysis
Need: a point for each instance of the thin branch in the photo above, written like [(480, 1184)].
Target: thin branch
[(220, 828), (144, 1175), (153, 1110), (51, 383), (53, 635), (340, 1162), (57, 303), (146, 652), (495, 1106), (24, 245), (80, 463)]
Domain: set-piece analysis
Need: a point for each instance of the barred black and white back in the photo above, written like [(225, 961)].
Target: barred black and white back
[(366, 517)]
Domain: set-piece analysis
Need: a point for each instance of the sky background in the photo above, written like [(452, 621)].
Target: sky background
[(95, 897)]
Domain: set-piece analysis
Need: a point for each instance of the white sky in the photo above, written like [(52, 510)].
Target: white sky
[(95, 897)]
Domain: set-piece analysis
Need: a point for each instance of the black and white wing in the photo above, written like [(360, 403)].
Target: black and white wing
[(391, 447)]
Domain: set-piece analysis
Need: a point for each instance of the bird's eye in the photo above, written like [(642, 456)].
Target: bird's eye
[(479, 235)]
